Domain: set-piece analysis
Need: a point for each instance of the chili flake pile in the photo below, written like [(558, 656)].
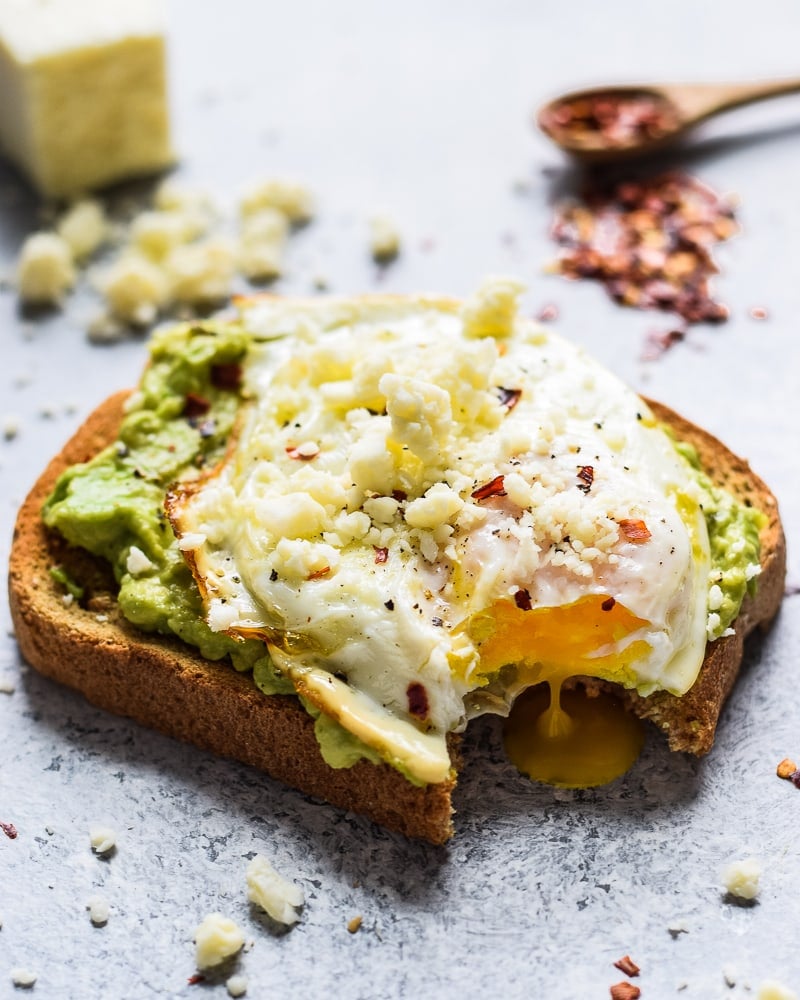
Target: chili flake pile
[(649, 242), (614, 120)]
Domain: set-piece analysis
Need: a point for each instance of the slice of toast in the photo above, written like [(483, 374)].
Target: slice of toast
[(166, 685)]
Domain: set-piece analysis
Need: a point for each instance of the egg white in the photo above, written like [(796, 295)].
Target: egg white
[(343, 527)]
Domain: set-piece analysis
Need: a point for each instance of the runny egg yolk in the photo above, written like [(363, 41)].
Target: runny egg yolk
[(565, 737)]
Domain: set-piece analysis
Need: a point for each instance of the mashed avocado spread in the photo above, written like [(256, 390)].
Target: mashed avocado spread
[(177, 424)]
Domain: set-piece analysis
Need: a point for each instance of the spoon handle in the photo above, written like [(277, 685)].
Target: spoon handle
[(701, 100)]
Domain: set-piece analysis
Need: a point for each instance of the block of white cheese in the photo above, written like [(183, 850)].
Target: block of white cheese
[(83, 95)]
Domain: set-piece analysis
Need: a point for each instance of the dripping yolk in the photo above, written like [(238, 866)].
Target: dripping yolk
[(565, 737)]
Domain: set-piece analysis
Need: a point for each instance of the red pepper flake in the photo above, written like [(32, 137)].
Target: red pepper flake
[(547, 313), (522, 599), (586, 474), (226, 376), (494, 488), (381, 554), (648, 242), (634, 530), (319, 573), (195, 979), (625, 991), (417, 700), (9, 830), (611, 120), (759, 312), (658, 342), (195, 406), (627, 965), (301, 452), (509, 397), (607, 605)]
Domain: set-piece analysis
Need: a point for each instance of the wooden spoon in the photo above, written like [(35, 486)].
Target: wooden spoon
[(614, 123)]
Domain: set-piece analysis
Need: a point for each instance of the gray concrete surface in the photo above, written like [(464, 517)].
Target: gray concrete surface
[(424, 110)]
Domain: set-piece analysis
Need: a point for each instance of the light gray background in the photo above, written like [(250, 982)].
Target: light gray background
[(424, 109)]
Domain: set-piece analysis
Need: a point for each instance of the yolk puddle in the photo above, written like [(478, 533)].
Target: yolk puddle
[(564, 737), (572, 741)]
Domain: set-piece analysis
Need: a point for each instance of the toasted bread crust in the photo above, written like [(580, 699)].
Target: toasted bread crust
[(166, 685)]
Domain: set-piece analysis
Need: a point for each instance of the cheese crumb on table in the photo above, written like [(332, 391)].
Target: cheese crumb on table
[(103, 839), (135, 289), (492, 310), (84, 91), (741, 878), (295, 200), (236, 986), (202, 273), (98, 910), (272, 892), (216, 939), (45, 271), (84, 227), (384, 239), (23, 978)]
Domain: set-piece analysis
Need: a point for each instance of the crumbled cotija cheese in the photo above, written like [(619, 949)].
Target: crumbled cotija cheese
[(236, 986), (44, 270), (216, 939), (84, 227), (741, 878), (23, 978), (201, 273), (384, 239), (491, 311), (137, 562), (290, 197), (98, 910), (103, 839), (135, 289), (273, 893)]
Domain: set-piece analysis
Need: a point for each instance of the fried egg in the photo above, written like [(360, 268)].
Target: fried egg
[(429, 507)]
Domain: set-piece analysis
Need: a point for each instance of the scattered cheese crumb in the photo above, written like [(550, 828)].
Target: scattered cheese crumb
[(771, 989), (135, 289), (11, 426), (216, 938), (492, 310), (98, 910), (195, 206), (44, 270), (354, 925), (103, 839), (105, 329), (157, 233), (6, 686), (742, 877), (84, 227), (23, 977), (272, 892), (290, 197), (236, 986), (137, 562), (384, 239), (202, 273)]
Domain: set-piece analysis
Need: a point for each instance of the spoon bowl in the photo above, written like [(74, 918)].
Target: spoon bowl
[(605, 124)]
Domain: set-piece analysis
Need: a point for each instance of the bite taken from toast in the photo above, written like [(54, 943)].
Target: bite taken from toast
[(323, 535)]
